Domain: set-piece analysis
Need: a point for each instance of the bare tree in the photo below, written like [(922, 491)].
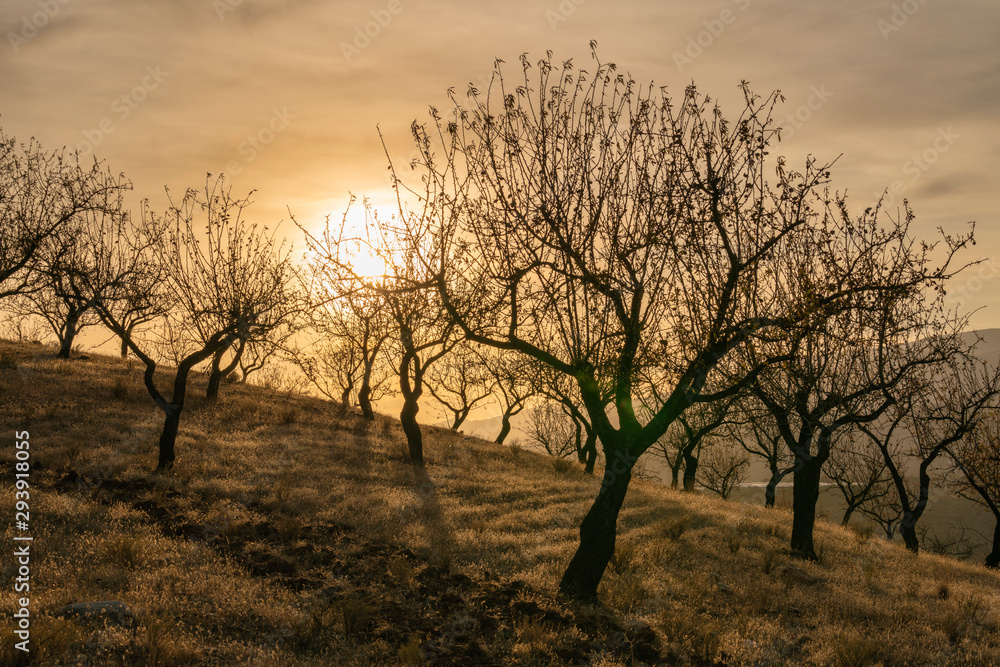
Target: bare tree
[(559, 388), (977, 457), (723, 468), (460, 383), (42, 195), (426, 334), (350, 361), (230, 283), (605, 230), (844, 372), (932, 414), (671, 445), (64, 315), (352, 319), (553, 429), (514, 384), (422, 330), (858, 470), (885, 511), (756, 431)]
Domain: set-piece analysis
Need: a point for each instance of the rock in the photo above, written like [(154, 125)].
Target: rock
[(721, 585), (107, 610), (794, 574)]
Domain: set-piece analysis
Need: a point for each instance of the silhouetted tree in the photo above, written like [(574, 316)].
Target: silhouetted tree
[(460, 382), (671, 445), (977, 458), (553, 429), (937, 410), (756, 431), (514, 384), (723, 468), (607, 231), (224, 278), (45, 198), (351, 317), (559, 388), (858, 470), (843, 375), (422, 331), (64, 315)]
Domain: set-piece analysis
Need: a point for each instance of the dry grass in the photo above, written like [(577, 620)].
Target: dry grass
[(249, 551)]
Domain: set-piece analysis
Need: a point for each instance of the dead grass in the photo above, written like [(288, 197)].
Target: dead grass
[(229, 559)]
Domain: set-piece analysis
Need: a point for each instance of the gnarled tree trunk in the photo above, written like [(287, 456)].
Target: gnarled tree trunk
[(805, 494), (597, 531)]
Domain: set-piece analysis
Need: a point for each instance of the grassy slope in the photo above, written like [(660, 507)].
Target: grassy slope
[(292, 533)]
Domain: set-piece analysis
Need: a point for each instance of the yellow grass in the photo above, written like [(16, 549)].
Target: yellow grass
[(237, 556)]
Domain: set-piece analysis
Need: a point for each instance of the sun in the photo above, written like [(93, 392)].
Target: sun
[(364, 253)]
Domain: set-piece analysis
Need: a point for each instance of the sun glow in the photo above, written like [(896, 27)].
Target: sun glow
[(363, 229)]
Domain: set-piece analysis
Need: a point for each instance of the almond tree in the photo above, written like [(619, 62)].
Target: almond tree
[(858, 471), (931, 415), (460, 383), (514, 384), (351, 318), (559, 388), (724, 468), (553, 429), (977, 458), (757, 433), (44, 200), (849, 373), (421, 331), (614, 234), (225, 280)]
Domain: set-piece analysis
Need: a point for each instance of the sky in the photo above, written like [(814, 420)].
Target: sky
[(286, 97)]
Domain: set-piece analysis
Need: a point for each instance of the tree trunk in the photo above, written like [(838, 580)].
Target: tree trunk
[(173, 410), (168, 438), (345, 397), (591, 449), (125, 346), (215, 376), (805, 493), (770, 491), (408, 420), (597, 531), (69, 333), (504, 428), (690, 469), (993, 559), (847, 515), (908, 531), (365, 400)]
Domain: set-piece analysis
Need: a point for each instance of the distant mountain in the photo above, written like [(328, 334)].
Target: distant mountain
[(989, 348)]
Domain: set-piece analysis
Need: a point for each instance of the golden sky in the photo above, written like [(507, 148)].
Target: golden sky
[(284, 95)]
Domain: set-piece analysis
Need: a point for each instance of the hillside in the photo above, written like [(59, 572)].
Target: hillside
[(292, 532)]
